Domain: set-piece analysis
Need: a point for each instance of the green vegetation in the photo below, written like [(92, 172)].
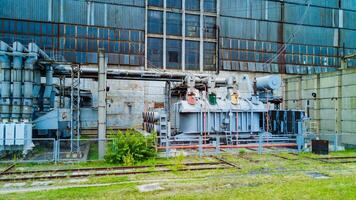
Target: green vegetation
[(258, 177), (130, 147)]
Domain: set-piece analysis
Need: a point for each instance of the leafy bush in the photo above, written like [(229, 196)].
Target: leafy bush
[(130, 147)]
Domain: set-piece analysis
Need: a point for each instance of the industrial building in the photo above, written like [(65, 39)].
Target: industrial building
[(179, 67)]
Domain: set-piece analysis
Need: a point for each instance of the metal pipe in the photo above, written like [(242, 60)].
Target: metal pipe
[(16, 79), (27, 79), (5, 82), (49, 89)]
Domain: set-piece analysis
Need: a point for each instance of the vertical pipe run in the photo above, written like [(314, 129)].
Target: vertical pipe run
[(28, 82), (5, 82), (16, 79), (102, 102)]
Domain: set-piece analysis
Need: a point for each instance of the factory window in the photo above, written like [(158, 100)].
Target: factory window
[(209, 56), (174, 4), (154, 53), (70, 30), (192, 55), (92, 45), (124, 35), (209, 27), (81, 44), (134, 36), (158, 3), (174, 24), (70, 43), (210, 5), (92, 32), (124, 47), (192, 25), (174, 51), (192, 5), (155, 22)]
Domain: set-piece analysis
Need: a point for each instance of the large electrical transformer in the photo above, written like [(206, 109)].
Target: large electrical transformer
[(246, 109)]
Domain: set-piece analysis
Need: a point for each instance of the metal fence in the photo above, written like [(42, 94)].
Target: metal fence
[(83, 150)]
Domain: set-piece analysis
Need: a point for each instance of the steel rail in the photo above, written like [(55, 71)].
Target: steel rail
[(106, 168), (105, 174)]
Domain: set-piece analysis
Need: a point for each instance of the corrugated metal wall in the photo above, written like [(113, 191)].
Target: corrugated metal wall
[(253, 32), (301, 39), (333, 110)]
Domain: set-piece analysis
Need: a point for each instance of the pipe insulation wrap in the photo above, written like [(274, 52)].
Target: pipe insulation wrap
[(16, 78), (271, 82)]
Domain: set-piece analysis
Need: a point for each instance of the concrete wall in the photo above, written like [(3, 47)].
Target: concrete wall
[(333, 110)]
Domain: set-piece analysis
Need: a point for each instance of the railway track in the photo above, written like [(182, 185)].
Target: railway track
[(6, 170), (107, 171)]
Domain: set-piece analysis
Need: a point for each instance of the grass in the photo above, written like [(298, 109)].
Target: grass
[(260, 177)]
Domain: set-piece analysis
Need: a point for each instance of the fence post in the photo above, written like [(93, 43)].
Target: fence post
[(217, 147), (260, 143), (300, 138), (200, 146), (167, 147), (54, 151), (58, 149)]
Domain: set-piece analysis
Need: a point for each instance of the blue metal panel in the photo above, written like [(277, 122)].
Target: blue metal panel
[(126, 17), (20, 9)]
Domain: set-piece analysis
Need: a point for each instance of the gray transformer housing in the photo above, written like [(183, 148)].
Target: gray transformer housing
[(221, 118)]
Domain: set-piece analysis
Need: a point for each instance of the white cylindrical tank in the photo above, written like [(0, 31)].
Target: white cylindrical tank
[(271, 82)]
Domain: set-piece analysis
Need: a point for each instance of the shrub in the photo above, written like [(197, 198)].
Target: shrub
[(130, 147)]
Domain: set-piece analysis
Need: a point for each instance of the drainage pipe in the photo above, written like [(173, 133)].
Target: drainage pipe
[(16, 79), (5, 81), (28, 82)]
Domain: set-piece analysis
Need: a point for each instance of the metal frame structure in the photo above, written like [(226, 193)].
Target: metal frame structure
[(75, 105)]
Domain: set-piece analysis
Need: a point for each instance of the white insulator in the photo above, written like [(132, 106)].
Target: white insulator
[(157, 128), (155, 116)]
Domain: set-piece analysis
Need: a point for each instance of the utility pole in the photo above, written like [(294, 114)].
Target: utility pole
[(102, 102)]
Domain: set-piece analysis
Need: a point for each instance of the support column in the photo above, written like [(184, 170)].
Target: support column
[(102, 102), (339, 106), (146, 26), (183, 35), (164, 34), (201, 39)]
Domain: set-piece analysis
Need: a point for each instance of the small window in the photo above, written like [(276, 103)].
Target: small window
[(174, 4), (154, 53), (173, 56), (158, 3), (174, 51), (192, 55), (174, 24), (209, 27), (209, 5), (155, 22), (192, 25), (192, 5)]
